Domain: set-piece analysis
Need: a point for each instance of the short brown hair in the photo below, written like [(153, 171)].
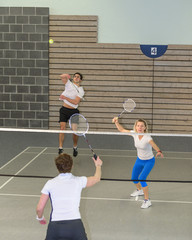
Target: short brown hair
[(64, 163), (81, 75)]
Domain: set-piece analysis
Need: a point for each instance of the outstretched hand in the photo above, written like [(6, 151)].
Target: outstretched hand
[(65, 75), (98, 161)]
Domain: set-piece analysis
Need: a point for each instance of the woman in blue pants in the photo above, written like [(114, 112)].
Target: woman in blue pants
[(145, 158)]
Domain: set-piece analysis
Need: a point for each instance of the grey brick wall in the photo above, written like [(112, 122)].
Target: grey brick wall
[(24, 67)]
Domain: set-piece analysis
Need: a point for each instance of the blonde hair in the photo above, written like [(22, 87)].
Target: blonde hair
[(143, 121)]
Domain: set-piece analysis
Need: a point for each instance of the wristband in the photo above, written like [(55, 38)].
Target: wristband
[(159, 151), (39, 219)]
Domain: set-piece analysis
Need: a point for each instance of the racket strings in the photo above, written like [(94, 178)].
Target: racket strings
[(79, 125), (129, 105)]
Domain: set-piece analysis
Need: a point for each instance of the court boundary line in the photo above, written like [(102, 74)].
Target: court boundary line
[(87, 154), (11, 160), (5, 183), (105, 149), (100, 199), (133, 200)]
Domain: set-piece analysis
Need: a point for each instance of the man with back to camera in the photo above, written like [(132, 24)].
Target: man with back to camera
[(64, 192)]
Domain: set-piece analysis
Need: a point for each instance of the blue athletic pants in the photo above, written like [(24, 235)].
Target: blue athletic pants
[(141, 170)]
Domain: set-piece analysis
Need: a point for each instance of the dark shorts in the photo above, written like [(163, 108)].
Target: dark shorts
[(66, 113), (66, 230)]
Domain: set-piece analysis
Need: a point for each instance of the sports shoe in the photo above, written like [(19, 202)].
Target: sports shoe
[(146, 204), (60, 151), (75, 152), (137, 193)]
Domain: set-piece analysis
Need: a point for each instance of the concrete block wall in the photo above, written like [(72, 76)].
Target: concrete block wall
[(24, 33)]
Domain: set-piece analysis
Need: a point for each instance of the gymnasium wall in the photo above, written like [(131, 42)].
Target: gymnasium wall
[(127, 21), (112, 72), (24, 67), (161, 87)]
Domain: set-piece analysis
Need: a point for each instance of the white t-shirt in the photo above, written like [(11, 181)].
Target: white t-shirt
[(72, 91), (65, 194), (144, 148)]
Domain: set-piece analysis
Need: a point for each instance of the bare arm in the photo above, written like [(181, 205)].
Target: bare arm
[(118, 125), (73, 101), (65, 77), (156, 148), (40, 208), (97, 176)]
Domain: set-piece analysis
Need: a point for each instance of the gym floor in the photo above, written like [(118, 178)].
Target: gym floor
[(108, 212)]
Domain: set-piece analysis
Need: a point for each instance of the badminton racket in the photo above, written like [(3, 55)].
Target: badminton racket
[(80, 126), (128, 106)]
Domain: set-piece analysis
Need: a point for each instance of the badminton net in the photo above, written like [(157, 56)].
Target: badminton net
[(30, 154)]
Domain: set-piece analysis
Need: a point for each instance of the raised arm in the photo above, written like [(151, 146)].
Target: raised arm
[(65, 77), (73, 101), (118, 125), (97, 176)]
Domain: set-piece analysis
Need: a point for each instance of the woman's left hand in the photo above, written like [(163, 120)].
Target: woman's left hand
[(159, 154)]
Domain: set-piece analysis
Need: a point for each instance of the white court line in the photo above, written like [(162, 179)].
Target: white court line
[(121, 150), (119, 156), (133, 200), (18, 195), (112, 150), (115, 150), (99, 199), (22, 168), (14, 158), (108, 149)]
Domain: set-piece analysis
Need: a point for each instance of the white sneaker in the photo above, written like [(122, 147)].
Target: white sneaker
[(137, 193), (146, 204)]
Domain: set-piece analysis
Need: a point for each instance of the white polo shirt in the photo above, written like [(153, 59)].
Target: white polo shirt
[(65, 194), (72, 91), (144, 148)]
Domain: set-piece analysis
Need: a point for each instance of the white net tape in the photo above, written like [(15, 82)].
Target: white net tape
[(92, 133)]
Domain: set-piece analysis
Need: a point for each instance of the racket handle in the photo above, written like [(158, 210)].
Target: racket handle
[(121, 113), (95, 156)]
